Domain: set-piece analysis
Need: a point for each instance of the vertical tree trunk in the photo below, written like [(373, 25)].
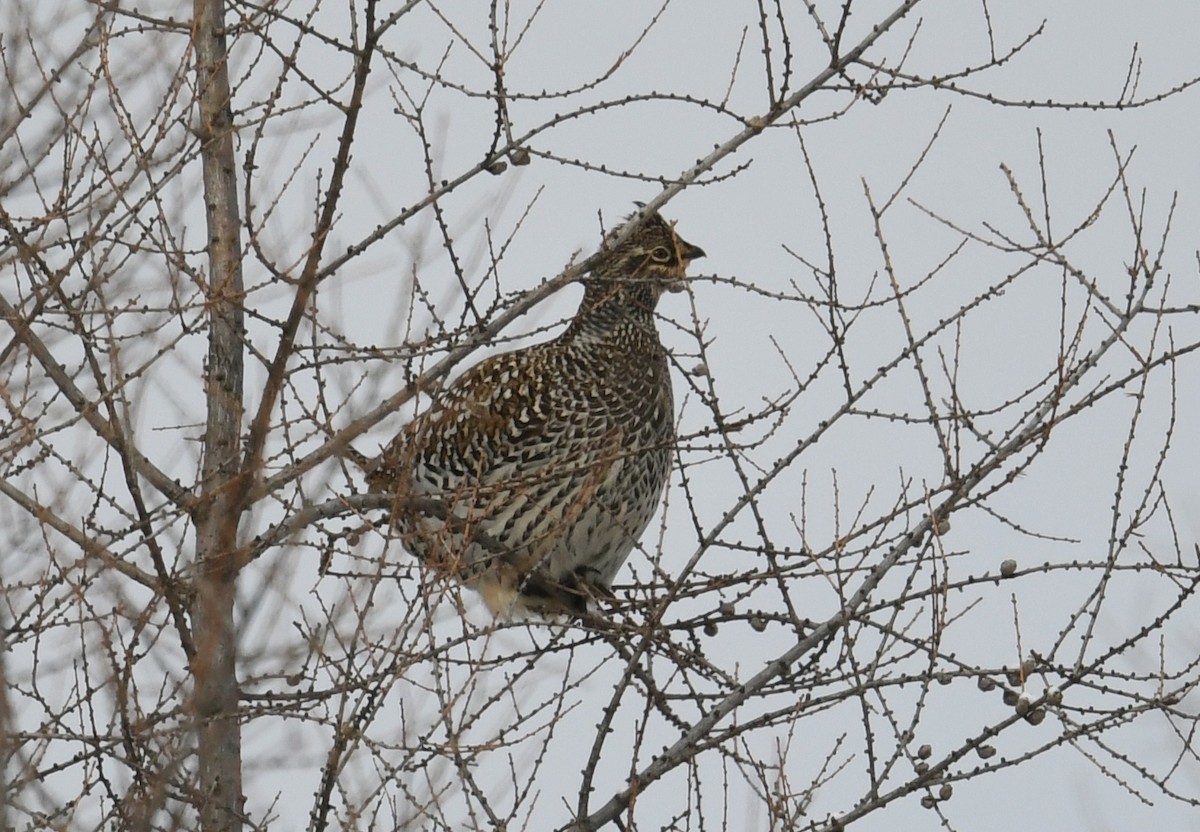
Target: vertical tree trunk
[(214, 668)]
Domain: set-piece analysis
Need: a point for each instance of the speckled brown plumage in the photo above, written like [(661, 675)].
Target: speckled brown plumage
[(534, 474)]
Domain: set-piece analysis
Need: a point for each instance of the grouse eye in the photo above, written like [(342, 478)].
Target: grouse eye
[(662, 254)]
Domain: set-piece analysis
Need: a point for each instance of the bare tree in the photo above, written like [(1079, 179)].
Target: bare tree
[(920, 532)]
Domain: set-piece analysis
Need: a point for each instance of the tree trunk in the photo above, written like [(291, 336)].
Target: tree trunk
[(215, 705)]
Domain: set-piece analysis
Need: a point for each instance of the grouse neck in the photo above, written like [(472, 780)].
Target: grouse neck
[(616, 316)]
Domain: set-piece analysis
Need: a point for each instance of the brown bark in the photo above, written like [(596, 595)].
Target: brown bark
[(215, 697)]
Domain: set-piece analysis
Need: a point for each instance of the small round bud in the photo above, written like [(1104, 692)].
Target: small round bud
[(1023, 703)]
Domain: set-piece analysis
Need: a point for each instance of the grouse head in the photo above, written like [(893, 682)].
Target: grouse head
[(653, 257)]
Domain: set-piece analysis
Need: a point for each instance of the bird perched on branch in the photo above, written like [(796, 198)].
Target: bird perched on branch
[(533, 475)]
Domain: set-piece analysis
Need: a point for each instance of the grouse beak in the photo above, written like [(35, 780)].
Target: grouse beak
[(687, 253)]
